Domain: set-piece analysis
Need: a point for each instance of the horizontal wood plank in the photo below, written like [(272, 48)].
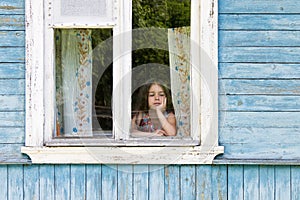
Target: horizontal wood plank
[(254, 135), (259, 22), (267, 6), (12, 87), (12, 70), (259, 103), (259, 119), (11, 153), (12, 38), (123, 155), (11, 135), (12, 54), (12, 103), (248, 38), (12, 7), (12, 22), (260, 87), (262, 151), (12, 119), (259, 54), (259, 71)]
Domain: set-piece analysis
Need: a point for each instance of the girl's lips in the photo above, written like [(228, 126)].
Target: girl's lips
[(157, 104)]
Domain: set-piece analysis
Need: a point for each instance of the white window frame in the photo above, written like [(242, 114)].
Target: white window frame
[(40, 95)]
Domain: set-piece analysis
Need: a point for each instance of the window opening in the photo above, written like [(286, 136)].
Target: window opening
[(168, 63), (83, 82)]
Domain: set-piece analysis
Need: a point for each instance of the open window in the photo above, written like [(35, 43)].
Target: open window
[(84, 90)]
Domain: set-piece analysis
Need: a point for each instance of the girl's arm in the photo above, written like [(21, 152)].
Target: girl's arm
[(137, 133), (168, 124)]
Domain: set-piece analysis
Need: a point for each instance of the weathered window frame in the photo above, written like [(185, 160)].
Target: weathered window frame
[(40, 112)]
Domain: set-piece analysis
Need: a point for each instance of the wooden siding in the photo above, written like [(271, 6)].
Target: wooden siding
[(186, 182), (12, 81), (258, 86), (259, 83)]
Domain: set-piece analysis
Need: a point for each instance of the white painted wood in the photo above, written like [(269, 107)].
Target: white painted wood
[(49, 73), (126, 67), (34, 73), (123, 155), (209, 72), (117, 75), (122, 72), (92, 141), (195, 70), (40, 100)]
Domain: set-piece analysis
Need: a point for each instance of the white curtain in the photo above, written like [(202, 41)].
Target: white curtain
[(179, 55), (74, 82)]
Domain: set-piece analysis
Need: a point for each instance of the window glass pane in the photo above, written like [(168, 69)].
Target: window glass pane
[(83, 8), (161, 51), (85, 12), (83, 82)]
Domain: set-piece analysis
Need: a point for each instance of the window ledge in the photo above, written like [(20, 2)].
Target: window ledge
[(149, 141), (123, 155)]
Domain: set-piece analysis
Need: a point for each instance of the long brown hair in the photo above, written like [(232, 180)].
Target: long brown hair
[(141, 103)]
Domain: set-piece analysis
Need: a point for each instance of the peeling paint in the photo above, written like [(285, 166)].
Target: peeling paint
[(240, 102), (211, 14), (9, 7)]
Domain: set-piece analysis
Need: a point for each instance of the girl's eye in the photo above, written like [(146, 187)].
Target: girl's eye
[(159, 94)]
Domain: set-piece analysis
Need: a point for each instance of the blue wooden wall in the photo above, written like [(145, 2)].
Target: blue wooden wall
[(249, 182), (259, 67), (259, 103)]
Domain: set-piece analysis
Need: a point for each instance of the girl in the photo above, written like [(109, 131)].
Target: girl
[(155, 115)]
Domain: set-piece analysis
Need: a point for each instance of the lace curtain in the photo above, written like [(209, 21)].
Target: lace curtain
[(74, 82), (179, 55)]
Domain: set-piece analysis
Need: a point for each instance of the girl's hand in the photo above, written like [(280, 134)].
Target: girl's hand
[(162, 107), (160, 132)]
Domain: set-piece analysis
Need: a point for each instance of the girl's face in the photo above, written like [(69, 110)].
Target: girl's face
[(156, 96)]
